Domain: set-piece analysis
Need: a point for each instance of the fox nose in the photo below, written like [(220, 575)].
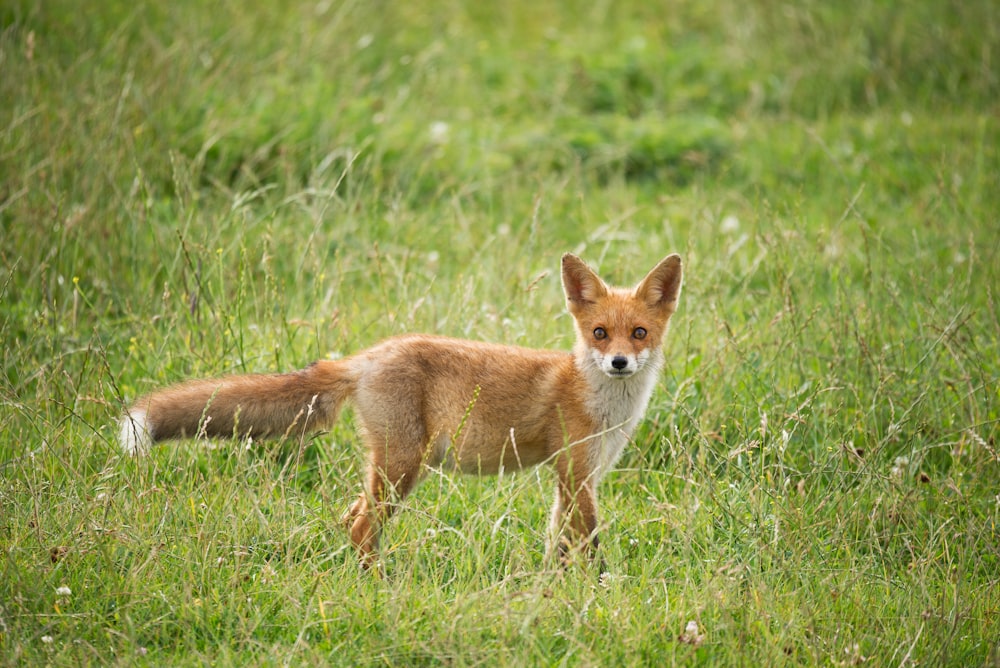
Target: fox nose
[(619, 362)]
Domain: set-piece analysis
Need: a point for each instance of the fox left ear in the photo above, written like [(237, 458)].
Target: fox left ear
[(662, 286), (580, 283)]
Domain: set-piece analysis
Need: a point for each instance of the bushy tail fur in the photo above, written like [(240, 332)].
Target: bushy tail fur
[(255, 405)]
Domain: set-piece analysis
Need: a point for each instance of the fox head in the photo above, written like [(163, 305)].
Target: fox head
[(620, 330)]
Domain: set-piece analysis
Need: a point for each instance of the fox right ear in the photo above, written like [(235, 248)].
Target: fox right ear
[(581, 285)]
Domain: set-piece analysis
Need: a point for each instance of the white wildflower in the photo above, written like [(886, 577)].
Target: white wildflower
[(729, 224), (692, 635), (439, 132), (899, 467)]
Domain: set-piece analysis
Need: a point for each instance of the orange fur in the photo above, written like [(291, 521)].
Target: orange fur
[(427, 401)]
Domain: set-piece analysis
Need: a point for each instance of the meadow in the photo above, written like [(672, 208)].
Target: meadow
[(194, 189)]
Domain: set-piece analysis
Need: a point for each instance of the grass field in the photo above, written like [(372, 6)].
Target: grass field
[(192, 189)]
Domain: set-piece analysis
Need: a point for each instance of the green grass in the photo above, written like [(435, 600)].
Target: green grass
[(191, 189)]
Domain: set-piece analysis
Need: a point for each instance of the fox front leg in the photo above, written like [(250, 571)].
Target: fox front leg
[(573, 526)]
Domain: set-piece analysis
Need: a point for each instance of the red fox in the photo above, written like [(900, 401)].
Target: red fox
[(429, 401)]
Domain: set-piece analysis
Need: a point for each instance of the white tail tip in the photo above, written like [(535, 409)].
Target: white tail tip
[(135, 437)]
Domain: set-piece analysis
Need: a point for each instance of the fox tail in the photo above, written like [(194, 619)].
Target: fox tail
[(300, 402)]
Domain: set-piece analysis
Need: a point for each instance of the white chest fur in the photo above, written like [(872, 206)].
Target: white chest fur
[(617, 405)]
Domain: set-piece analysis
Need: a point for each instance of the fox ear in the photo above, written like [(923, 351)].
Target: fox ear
[(662, 286), (580, 283)]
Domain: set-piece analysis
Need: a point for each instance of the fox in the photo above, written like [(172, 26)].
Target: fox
[(424, 402)]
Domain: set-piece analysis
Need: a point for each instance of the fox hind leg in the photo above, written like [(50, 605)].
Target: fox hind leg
[(394, 469)]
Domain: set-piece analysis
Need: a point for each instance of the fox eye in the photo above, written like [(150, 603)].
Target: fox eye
[(599, 333), (639, 333)]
